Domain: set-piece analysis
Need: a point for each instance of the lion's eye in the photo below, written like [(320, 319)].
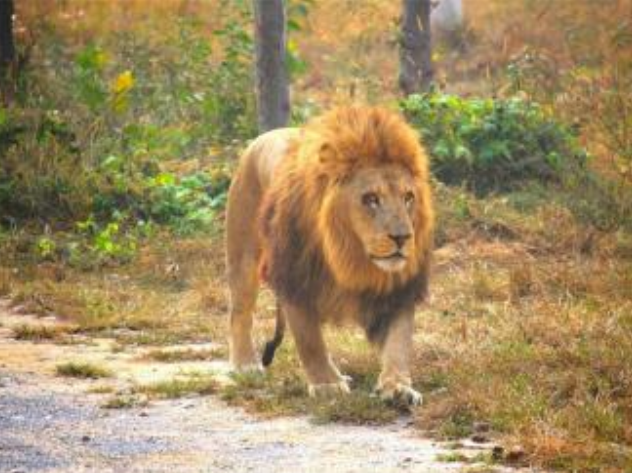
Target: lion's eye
[(371, 199), (409, 199)]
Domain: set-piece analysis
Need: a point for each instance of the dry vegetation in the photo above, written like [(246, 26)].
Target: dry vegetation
[(82, 370), (529, 328)]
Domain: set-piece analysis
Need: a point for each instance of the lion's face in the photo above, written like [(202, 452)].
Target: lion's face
[(353, 202), (381, 206)]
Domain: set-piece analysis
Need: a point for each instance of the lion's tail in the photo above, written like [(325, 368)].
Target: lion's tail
[(272, 345)]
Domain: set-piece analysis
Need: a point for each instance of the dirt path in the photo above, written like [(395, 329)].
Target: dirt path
[(53, 424)]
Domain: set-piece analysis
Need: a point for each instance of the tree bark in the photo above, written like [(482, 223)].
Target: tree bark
[(416, 68), (7, 48), (7, 52), (273, 95)]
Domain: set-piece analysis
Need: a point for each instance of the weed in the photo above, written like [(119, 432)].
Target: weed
[(38, 333), (359, 407), (180, 387), (180, 355), (480, 469), (454, 457), (83, 370), (102, 389), (125, 401)]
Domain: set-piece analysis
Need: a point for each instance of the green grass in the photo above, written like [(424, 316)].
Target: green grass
[(453, 457), (283, 390), (195, 384), (125, 401), (82, 370), (359, 407)]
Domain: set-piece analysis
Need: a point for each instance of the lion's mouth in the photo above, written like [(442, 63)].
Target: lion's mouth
[(390, 263), (392, 257)]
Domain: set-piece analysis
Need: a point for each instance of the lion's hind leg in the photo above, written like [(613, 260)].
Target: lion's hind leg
[(243, 287), (243, 254)]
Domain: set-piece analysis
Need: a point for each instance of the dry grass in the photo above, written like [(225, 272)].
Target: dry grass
[(179, 355), (39, 333), (140, 303), (528, 331), (5, 282), (82, 370), (533, 336), (125, 401)]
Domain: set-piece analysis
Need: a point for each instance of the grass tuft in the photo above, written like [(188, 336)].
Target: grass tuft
[(198, 384), (38, 333), (82, 370), (125, 401), (180, 355)]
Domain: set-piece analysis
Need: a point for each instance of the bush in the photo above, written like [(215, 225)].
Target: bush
[(492, 145), (97, 129), (41, 175)]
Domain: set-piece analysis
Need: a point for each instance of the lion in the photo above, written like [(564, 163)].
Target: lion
[(337, 218)]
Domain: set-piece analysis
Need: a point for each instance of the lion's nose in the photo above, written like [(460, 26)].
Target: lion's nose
[(400, 238)]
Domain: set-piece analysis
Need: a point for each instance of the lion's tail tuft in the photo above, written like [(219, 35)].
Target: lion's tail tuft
[(272, 345)]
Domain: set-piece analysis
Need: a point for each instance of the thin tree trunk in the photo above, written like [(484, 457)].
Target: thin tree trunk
[(273, 96), (416, 68), (7, 50)]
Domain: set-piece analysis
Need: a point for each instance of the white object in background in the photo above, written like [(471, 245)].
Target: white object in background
[(447, 15)]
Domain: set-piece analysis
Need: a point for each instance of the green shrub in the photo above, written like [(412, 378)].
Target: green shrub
[(187, 204), (87, 147), (492, 145)]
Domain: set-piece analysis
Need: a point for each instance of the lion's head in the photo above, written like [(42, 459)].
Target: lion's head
[(356, 195)]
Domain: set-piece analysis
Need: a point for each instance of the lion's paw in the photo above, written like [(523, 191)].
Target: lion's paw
[(326, 390), (401, 393)]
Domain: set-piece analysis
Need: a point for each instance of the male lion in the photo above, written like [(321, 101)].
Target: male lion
[(337, 218)]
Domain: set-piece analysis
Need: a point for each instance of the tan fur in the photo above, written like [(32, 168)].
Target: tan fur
[(311, 184)]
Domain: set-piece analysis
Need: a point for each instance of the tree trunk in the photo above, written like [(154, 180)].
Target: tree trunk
[(416, 68), (273, 96), (7, 51)]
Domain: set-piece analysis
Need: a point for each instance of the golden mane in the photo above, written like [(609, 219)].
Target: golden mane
[(306, 241)]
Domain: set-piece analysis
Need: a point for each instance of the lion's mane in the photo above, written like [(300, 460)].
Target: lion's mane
[(309, 251)]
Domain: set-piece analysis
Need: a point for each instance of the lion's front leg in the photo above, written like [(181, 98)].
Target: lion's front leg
[(396, 350), (322, 375)]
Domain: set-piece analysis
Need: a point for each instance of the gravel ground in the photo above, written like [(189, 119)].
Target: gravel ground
[(47, 427), (52, 424)]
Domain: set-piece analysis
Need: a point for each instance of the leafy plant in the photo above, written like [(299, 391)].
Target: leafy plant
[(492, 145), (188, 204), (91, 141)]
